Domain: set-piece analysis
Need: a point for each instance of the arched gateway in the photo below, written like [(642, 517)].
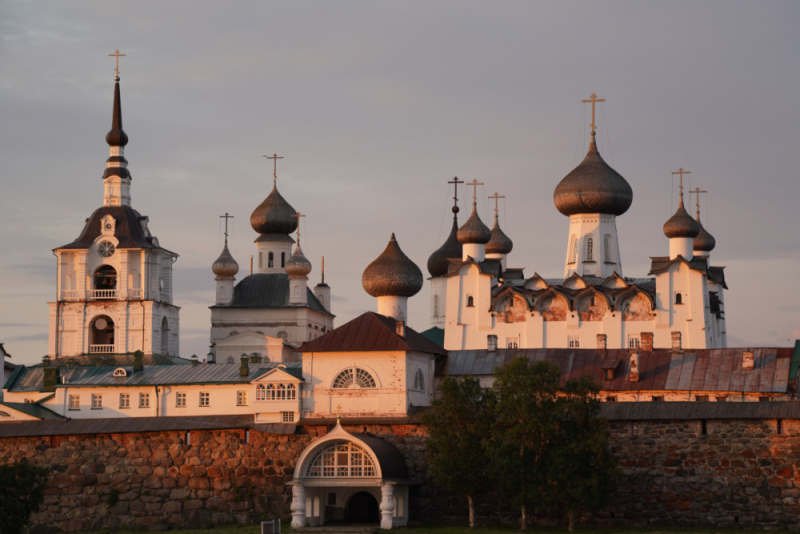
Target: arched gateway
[(340, 477)]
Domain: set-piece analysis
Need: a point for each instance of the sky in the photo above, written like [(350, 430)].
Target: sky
[(375, 106)]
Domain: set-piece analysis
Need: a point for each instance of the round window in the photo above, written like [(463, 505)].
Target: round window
[(106, 249)]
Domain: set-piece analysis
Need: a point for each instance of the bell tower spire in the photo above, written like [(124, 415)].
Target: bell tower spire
[(117, 177)]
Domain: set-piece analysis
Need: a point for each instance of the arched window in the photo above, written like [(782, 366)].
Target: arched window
[(276, 392), (5, 414), (260, 260), (105, 278), (261, 392), (102, 339), (573, 249), (341, 460), (164, 336), (354, 378), (270, 258), (607, 249), (589, 249), (436, 305), (470, 301), (230, 359), (419, 381), (283, 259), (678, 298)]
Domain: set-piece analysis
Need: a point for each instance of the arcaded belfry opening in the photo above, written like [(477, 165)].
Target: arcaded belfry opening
[(102, 335), (350, 478)]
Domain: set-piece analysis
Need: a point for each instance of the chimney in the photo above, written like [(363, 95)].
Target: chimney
[(255, 358), (400, 328), (601, 342), (748, 362), (634, 372), (138, 366), (50, 375), (491, 343), (646, 339), (194, 360), (244, 370), (676, 341)]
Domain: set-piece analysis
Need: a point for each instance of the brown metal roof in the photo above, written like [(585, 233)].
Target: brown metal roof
[(700, 370), (391, 460), (371, 332), (686, 411), (128, 229)]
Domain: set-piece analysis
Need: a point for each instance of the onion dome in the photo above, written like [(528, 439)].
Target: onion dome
[(703, 242), (681, 224), (593, 187), (274, 215), (225, 266), (474, 231), (297, 264), (500, 243), (438, 263), (392, 274), (117, 136)]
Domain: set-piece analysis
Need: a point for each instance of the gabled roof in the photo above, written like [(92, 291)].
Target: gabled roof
[(660, 264), (490, 266), (371, 332), (263, 290), (295, 372), (435, 334), (34, 410)]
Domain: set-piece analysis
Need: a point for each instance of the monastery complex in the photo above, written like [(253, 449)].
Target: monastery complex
[(330, 414)]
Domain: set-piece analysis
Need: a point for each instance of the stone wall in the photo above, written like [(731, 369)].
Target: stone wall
[(719, 473)]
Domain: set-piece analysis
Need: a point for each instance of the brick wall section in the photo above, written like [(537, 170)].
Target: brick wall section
[(740, 473)]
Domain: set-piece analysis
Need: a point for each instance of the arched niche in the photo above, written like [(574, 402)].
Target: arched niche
[(512, 309), (636, 307), (592, 306), (553, 307)]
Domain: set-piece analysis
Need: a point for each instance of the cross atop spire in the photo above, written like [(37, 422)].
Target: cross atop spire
[(474, 184), (496, 197), (455, 181), (681, 172), (593, 99), (275, 159), (226, 217), (297, 216), (117, 55), (697, 192)]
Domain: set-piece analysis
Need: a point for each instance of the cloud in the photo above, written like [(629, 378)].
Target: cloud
[(19, 339)]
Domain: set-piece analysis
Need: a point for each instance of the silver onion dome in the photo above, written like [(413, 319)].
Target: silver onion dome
[(704, 241), (500, 243), (438, 262), (474, 231), (392, 274), (681, 224), (225, 266), (274, 215), (298, 265)]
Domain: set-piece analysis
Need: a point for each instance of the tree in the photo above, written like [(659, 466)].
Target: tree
[(526, 425), (458, 423), (582, 470), (23, 491)]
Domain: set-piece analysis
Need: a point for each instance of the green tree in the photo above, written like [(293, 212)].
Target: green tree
[(23, 491), (525, 408), (582, 470), (457, 424)]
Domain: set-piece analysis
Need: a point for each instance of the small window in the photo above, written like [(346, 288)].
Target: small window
[(74, 402), (287, 417), (269, 260), (97, 402), (589, 249), (701, 398), (283, 259), (634, 341), (703, 428), (241, 398), (512, 343), (658, 398), (5, 414), (205, 399), (144, 400), (230, 359), (609, 374), (678, 298), (120, 372), (124, 401), (607, 249), (611, 398), (763, 399), (261, 392), (722, 398), (180, 400), (436, 305), (260, 260), (574, 342), (470, 301), (573, 249), (779, 426), (419, 381)]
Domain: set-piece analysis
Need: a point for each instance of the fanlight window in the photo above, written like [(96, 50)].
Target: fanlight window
[(354, 378), (5, 414), (341, 460), (276, 392), (119, 371), (419, 381)]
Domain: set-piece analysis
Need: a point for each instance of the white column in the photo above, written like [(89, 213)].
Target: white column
[(681, 246), (387, 506), (394, 307), (476, 251), (298, 506)]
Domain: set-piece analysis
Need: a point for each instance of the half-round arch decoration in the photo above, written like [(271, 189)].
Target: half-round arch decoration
[(341, 460), (635, 305), (354, 378), (591, 305), (553, 306)]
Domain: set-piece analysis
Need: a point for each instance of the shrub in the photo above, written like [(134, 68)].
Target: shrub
[(23, 491)]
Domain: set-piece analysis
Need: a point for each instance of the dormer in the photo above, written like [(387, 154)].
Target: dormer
[(108, 225), (536, 283), (615, 281), (575, 281)]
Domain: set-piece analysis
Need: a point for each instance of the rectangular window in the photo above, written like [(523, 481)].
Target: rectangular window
[(144, 400), (287, 417), (124, 401), (180, 399), (512, 343), (634, 341), (97, 402), (241, 398), (703, 427), (723, 398), (611, 398), (205, 399), (574, 342), (658, 399), (74, 402), (701, 398), (763, 399), (779, 426)]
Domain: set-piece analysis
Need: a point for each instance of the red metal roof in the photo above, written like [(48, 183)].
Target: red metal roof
[(371, 332)]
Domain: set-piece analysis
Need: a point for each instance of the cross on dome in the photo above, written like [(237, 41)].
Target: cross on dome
[(275, 159), (117, 55), (593, 99), (496, 197), (681, 172), (297, 216), (697, 192), (474, 184), (455, 181), (226, 217)]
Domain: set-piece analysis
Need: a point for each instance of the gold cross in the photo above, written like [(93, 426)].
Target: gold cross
[(681, 172), (496, 197), (226, 217), (697, 192), (455, 181), (593, 99), (117, 55), (275, 158), (298, 215), (474, 184)]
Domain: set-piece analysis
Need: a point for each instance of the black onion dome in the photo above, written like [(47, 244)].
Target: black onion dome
[(274, 215), (500, 243), (298, 265), (438, 263), (593, 187), (225, 266), (681, 224), (703, 242), (117, 136), (474, 231), (392, 274)]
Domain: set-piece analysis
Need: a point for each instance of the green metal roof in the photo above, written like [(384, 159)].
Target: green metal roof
[(435, 334)]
